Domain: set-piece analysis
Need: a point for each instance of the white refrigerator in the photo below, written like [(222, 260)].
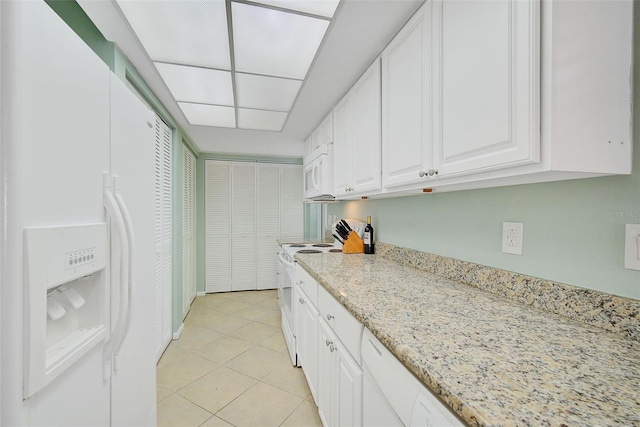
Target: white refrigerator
[(76, 279)]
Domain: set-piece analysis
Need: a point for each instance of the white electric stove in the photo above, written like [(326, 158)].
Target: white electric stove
[(287, 290)]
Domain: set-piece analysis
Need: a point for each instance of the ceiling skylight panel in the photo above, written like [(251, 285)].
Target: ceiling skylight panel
[(260, 119), (275, 43), (324, 8), (193, 84), (209, 115), (184, 32), (267, 93)]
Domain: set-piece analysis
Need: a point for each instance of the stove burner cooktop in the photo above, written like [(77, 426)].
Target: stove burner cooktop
[(309, 251), (322, 245), (335, 250), (297, 245)]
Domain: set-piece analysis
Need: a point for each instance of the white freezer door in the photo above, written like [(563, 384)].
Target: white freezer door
[(133, 382), (55, 104)]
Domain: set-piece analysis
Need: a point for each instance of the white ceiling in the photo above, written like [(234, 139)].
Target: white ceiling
[(358, 32)]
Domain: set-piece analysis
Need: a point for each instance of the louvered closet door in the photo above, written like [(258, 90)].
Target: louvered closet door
[(217, 226), (291, 207), (268, 225), (188, 229), (243, 226), (163, 235)]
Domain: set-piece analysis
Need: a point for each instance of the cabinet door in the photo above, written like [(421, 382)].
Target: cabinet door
[(327, 129), (342, 147), (406, 97), (365, 152), (488, 73), (326, 340), (311, 346), (301, 336), (347, 388)]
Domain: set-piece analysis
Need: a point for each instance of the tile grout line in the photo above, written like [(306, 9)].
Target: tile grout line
[(262, 305)]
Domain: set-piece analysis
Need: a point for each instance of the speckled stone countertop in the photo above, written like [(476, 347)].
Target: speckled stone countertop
[(494, 361)]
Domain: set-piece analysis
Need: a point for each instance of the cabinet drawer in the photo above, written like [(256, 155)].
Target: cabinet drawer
[(308, 284), (346, 327)]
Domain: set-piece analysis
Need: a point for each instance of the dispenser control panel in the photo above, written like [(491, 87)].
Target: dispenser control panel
[(81, 257)]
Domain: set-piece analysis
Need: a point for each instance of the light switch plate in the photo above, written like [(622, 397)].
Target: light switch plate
[(632, 247), (512, 235)]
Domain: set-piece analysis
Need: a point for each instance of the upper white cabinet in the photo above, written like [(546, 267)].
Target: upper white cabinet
[(460, 91), (356, 122), (486, 102), (489, 93), (406, 96), (322, 135)]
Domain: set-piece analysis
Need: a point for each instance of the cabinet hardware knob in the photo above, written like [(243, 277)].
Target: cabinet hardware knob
[(330, 316), (302, 301), (327, 342), (332, 348), (422, 173)]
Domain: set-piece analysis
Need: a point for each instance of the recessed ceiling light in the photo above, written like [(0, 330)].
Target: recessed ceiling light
[(261, 119), (209, 115), (201, 85), (324, 8), (183, 32), (275, 43), (267, 93)]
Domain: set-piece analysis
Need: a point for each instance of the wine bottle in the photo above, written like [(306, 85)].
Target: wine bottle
[(369, 242)]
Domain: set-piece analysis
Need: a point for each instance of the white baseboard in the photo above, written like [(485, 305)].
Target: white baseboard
[(176, 335), (200, 294)]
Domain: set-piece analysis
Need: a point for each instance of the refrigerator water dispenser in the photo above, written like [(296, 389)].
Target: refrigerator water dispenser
[(65, 296)]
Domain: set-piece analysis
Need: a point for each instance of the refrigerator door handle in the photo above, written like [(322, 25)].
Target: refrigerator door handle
[(128, 225), (118, 223)]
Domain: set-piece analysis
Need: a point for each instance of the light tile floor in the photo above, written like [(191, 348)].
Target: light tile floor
[(230, 367)]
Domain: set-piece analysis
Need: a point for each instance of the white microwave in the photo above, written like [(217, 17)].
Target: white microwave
[(318, 174)]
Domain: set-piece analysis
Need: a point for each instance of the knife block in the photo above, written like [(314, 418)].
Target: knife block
[(353, 244)]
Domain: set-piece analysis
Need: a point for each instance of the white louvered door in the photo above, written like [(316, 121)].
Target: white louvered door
[(188, 229), (268, 220), (163, 235), (249, 206), (243, 226), (291, 206), (217, 226)]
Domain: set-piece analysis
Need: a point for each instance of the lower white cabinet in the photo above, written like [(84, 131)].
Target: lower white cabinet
[(328, 349), (339, 381), (307, 340)]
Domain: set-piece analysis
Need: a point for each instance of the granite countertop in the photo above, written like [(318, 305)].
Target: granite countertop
[(494, 361)]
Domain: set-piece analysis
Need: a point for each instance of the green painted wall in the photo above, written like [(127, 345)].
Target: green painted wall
[(75, 17), (573, 230)]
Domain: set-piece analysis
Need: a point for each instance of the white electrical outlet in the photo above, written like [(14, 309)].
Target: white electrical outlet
[(632, 247), (512, 235)]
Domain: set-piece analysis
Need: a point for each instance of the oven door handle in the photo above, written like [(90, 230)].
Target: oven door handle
[(284, 261)]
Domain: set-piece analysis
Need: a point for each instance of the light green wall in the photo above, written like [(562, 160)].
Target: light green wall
[(573, 230)]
